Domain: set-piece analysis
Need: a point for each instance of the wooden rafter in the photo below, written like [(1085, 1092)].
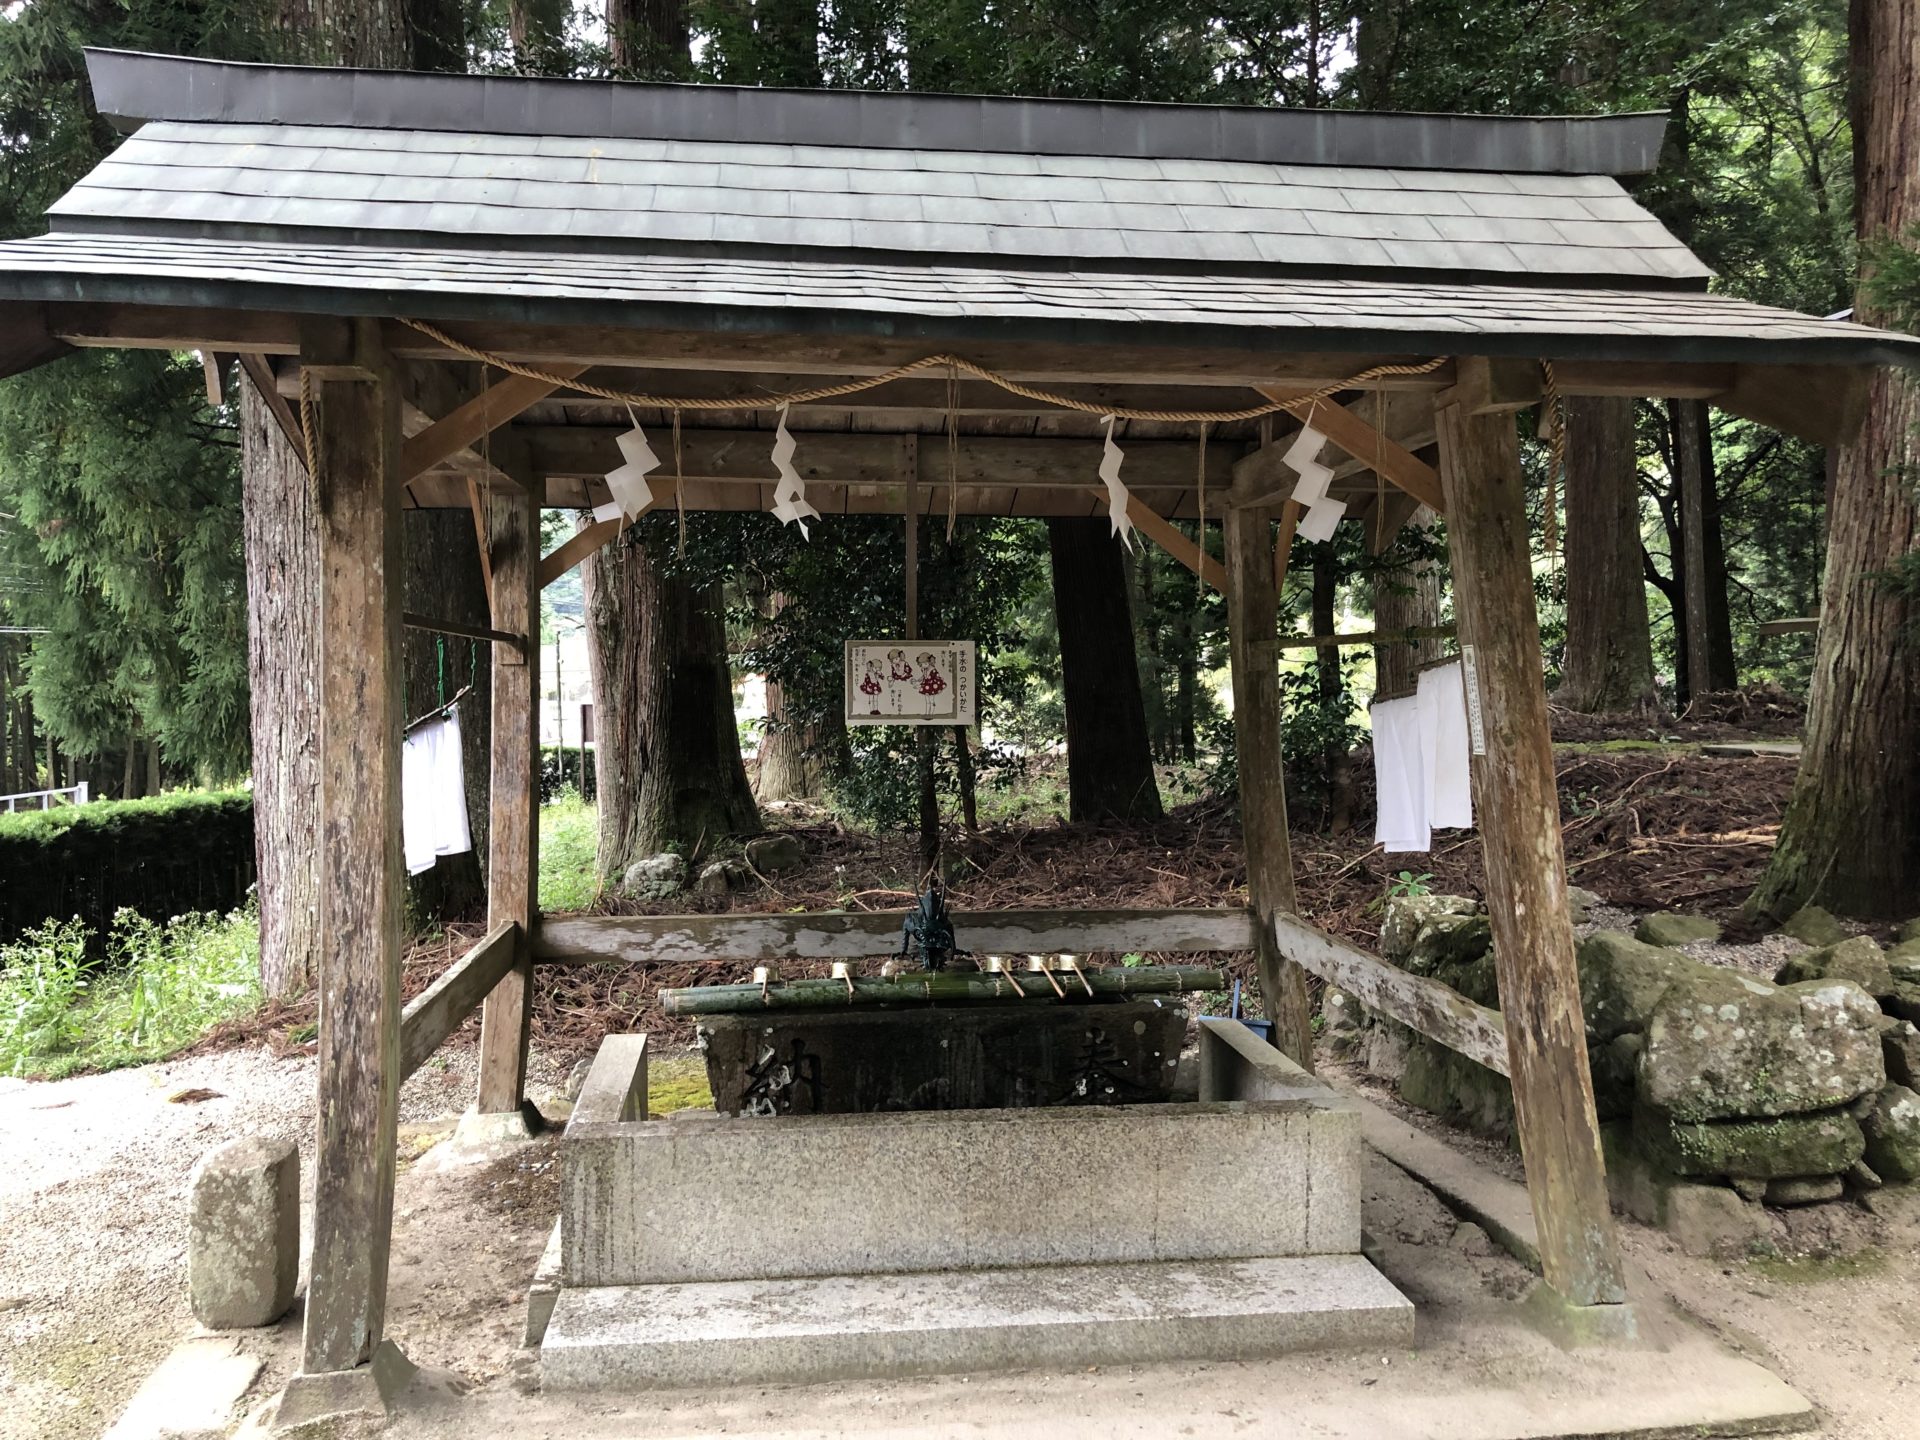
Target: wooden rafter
[(258, 369), (485, 412), (1379, 452), (582, 543)]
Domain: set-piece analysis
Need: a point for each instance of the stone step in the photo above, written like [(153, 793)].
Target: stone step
[(845, 1327)]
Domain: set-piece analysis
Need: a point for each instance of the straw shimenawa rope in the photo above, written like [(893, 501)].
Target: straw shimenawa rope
[(957, 363)]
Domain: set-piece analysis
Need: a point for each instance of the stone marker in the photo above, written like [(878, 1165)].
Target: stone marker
[(771, 854), (243, 1233), (1668, 928), (192, 1394)]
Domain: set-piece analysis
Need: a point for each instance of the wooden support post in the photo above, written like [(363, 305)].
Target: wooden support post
[(513, 850), (1253, 634), (362, 891), (1519, 813)]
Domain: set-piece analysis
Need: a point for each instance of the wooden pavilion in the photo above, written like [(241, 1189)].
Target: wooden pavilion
[(450, 289)]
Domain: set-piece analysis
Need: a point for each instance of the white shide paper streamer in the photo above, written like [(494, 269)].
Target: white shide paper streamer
[(790, 495), (632, 495), (1117, 497)]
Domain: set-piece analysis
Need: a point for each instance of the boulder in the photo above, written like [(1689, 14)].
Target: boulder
[(1702, 1219), (1615, 1065), (1900, 1049), (1909, 932), (1857, 959), (1448, 940), (1449, 1085), (1904, 960), (771, 854), (1581, 903), (1903, 1000), (1407, 913), (719, 877), (1388, 1042), (1621, 980), (1805, 1190), (1666, 927), (655, 877), (1826, 1143), (1893, 1134), (1814, 926), (1723, 1046), (243, 1233)]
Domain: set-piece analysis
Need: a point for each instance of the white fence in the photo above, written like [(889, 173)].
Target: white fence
[(45, 799)]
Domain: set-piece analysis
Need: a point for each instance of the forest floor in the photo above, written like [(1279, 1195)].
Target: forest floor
[(1650, 823)]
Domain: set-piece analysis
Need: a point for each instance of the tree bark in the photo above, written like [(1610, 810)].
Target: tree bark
[(667, 752), (1406, 598), (1851, 837), (786, 772), (283, 660), (1609, 660), (1709, 665), (1109, 755), (649, 39), (538, 30)]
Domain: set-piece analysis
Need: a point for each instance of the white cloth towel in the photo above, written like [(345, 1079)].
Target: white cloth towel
[(433, 793), (1421, 768), (1398, 776), (1442, 695)]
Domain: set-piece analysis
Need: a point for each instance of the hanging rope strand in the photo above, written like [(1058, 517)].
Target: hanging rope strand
[(1200, 571), (1555, 406), (899, 372)]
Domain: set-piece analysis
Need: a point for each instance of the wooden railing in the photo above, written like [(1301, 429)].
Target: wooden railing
[(875, 934), (437, 1011), (1437, 1011)]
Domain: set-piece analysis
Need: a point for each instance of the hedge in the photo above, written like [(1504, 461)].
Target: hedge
[(161, 857), (558, 760)]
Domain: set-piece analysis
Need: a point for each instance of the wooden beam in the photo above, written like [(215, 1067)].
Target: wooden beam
[(436, 1012), (484, 413), (477, 502), (1484, 386), (1800, 624), (1170, 538), (1518, 808), (1365, 637), (211, 370), (1283, 533), (259, 370), (875, 935), (1252, 627), (1822, 404), (576, 547), (513, 841), (362, 893), (1437, 1011), (1373, 449), (459, 627)]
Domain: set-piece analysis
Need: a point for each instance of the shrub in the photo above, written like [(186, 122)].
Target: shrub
[(563, 768), (161, 857)]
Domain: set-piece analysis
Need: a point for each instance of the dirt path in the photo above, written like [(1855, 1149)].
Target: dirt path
[(92, 1236)]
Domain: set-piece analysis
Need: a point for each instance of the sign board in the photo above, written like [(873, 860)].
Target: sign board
[(1476, 721), (911, 682)]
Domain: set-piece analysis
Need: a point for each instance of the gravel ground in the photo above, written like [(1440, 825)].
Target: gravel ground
[(93, 1212)]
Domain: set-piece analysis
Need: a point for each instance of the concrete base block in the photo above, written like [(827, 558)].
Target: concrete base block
[(544, 1290), (364, 1393), (243, 1233), (870, 1326), (192, 1394), (1578, 1327)]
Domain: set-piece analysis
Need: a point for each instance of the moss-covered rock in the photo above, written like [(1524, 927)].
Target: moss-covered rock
[(1892, 1129), (1453, 1087), (1670, 928), (1826, 1143), (1900, 1050), (1407, 913), (1622, 979), (1858, 959), (1813, 925), (1904, 960), (1903, 1000), (1909, 931), (1721, 1045), (1615, 1064)]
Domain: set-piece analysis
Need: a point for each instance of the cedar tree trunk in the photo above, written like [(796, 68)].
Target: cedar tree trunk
[(666, 748), (1109, 758), (1406, 598), (1609, 660), (1851, 837), (1335, 761)]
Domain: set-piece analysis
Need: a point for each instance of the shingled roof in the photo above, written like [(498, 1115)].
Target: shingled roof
[(465, 197)]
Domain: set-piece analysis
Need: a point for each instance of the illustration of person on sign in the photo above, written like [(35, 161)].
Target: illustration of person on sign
[(898, 668), (870, 686), (931, 681)]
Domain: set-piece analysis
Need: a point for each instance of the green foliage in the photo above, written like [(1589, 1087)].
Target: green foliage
[(190, 850), (569, 837), (160, 988), (567, 769), (1408, 884)]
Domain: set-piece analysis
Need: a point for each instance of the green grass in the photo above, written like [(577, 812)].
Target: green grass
[(159, 989), (569, 834)]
